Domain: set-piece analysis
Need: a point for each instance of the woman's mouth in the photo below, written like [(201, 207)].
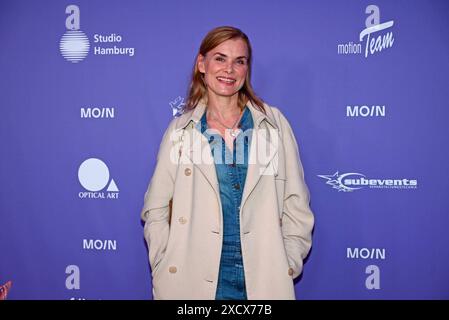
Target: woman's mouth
[(226, 80)]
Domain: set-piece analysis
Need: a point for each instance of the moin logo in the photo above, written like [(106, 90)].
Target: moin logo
[(97, 112), (365, 111), (99, 244), (93, 174), (375, 37), (349, 182), (74, 44)]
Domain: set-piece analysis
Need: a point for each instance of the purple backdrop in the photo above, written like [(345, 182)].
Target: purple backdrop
[(88, 88)]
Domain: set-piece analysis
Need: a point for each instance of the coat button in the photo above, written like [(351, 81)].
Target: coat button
[(290, 272), (280, 222), (172, 269), (187, 172), (182, 220), (237, 186)]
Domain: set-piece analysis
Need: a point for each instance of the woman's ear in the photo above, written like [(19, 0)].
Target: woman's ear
[(200, 63)]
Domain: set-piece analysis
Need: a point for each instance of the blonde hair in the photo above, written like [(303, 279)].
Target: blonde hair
[(197, 88)]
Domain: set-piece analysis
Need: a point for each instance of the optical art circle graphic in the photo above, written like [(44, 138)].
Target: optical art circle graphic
[(74, 46), (93, 174)]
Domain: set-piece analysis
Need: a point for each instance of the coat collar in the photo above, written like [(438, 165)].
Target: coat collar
[(196, 114), (256, 167)]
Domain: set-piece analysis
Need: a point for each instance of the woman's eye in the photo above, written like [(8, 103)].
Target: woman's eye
[(241, 62), (219, 59)]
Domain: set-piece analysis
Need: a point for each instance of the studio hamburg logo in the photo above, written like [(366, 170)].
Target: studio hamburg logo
[(93, 175), (74, 44)]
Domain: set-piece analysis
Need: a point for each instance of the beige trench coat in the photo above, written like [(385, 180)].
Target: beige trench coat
[(184, 235)]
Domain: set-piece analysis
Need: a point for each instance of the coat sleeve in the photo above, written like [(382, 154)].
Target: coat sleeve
[(297, 217), (156, 208)]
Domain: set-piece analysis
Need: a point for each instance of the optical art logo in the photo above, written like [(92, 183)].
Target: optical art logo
[(74, 44), (348, 182), (373, 39), (93, 175)]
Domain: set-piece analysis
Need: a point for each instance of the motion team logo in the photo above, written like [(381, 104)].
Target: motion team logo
[(376, 36), (348, 182)]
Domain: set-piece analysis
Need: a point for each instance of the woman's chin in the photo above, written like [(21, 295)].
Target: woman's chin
[(225, 93)]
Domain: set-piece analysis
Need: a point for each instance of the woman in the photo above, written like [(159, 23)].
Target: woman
[(224, 217)]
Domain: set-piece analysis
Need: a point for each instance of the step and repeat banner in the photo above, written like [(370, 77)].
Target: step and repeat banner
[(89, 87)]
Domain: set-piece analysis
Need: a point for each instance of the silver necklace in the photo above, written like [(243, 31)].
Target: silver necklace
[(233, 131)]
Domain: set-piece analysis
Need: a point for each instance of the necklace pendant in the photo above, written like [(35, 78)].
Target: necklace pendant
[(233, 133)]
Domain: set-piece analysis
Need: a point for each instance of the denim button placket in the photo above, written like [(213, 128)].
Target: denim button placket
[(231, 177)]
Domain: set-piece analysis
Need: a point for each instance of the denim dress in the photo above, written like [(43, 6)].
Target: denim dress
[(231, 169)]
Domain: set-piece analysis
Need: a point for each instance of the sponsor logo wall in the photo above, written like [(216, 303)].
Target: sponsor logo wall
[(86, 103)]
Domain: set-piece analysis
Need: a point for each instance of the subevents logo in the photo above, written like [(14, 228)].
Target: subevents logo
[(93, 175), (74, 44), (349, 182), (376, 36)]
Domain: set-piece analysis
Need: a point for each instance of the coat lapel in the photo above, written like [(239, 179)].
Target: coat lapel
[(196, 147), (199, 153), (262, 158)]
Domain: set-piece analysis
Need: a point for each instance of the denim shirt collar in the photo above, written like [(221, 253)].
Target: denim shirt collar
[(246, 122), (194, 116)]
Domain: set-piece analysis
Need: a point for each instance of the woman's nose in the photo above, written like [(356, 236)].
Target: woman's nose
[(229, 68)]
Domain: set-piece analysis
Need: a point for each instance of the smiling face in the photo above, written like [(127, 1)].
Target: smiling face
[(225, 68)]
